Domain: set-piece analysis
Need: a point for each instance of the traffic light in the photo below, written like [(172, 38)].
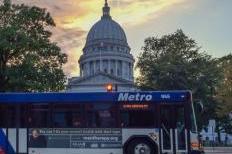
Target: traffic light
[(109, 87)]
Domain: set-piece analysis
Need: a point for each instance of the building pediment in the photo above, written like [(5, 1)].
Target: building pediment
[(99, 79)]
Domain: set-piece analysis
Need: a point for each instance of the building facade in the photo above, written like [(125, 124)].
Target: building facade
[(106, 58)]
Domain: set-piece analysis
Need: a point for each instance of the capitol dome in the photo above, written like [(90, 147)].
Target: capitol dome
[(106, 50), (106, 28)]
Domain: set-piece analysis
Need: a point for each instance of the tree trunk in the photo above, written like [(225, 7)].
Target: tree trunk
[(3, 78)]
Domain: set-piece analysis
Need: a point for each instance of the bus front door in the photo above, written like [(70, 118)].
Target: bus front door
[(181, 140), (166, 130), (173, 132)]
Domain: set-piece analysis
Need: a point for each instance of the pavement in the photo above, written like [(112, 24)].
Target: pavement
[(218, 150)]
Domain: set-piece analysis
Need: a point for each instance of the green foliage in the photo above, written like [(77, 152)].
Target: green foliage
[(29, 61), (224, 94), (224, 90), (174, 62)]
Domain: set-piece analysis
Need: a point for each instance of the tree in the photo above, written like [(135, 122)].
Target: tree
[(224, 94), (29, 61), (174, 62)]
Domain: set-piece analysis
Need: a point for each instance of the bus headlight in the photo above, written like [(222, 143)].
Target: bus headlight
[(195, 145)]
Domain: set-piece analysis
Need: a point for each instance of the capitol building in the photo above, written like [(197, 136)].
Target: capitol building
[(106, 59)]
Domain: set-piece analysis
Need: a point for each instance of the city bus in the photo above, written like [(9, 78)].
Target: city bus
[(152, 122)]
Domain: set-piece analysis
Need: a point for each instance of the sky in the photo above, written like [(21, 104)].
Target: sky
[(209, 22)]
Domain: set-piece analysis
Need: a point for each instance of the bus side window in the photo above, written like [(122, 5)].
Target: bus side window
[(101, 116), (77, 120), (59, 119), (91, 119), (133, 119), (38, 119), (166, 121), (68, 116), (7, 116), (105, 119)]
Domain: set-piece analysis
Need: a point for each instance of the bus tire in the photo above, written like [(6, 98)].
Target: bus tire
[(141, 145)]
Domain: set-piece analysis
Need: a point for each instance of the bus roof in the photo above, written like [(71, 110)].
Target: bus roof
[(67, 97)]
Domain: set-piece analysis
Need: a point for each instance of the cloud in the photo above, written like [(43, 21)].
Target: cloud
[(74, 18), (135, 12), (71, 42)]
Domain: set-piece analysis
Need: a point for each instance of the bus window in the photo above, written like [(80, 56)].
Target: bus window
[(91, 119), (10, 119), (38, 116), (180, 127), (2, 117), (7, 118), (166, 126), (77, 120), (105, 119), (133, 119), (59, 120), (67, 120), (68, 116), (101, 116)]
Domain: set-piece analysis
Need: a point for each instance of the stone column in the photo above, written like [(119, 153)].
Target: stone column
[(88, 68), (123, 69), (116, 67), (94, 66), (132, 71), (84, 69), (81, 70), (101, 65), (109, 66), (129, 70)]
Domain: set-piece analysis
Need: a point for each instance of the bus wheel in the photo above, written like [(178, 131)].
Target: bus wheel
[(140, 146)]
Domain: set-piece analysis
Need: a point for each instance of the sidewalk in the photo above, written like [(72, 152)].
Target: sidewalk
[(218, 150)]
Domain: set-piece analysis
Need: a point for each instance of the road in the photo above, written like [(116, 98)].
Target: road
[(218, 150)]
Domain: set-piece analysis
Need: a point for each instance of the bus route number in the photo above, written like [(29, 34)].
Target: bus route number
[(165, 96)]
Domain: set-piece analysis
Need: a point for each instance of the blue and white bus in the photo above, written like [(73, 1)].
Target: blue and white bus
[(98, 123)]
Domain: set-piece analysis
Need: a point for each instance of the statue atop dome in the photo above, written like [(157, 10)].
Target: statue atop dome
[(106, 10)]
